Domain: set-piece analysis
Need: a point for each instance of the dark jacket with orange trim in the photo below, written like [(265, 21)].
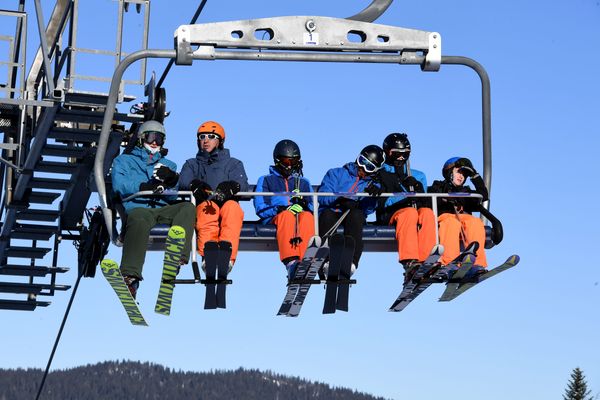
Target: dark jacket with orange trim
[(267, 207), (345, 180), (464, 205)]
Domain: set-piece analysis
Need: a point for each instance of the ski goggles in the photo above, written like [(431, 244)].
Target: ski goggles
[(211, 136), (366, 164), (154, 136), (288, 162), (397, 154)]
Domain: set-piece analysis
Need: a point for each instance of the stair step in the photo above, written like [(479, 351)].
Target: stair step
[(33, 232), (57, 150), (30, 288), (56, 167), (22, 305), (43, 197), (28, 270), (49, 183), (26, 252), (96, 117), (74, 135), (38, 215)]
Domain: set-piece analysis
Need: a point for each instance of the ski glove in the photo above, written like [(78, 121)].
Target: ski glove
[(346, 203), (155, 187), (164, 174), (200, 189), (373, 189), (468, 172), (226, 191), (295, 199), (411, 183), (295, 209)]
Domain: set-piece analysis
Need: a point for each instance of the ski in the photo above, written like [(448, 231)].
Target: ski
[(173, 248), (301, 269), (344, 275), (467, 260), (222, 271), (466, 285), (112, 273), (409, 293), (211, 256), (309, 279), (336, 250)]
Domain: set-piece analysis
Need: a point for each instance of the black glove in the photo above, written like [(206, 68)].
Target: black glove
[(373, 189), (156, 187), (411, 183), (346, 203), (226, 191), (200, 189), (166, 175), (467, 172)]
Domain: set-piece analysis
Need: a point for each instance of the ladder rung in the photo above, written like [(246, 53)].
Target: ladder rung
[(28, 270), (74, 135), (33, 232), (57, 150), (22, 305), (43, 197), (26, 252), (49, 183), (56, 167), (38, 215), (30, 288)]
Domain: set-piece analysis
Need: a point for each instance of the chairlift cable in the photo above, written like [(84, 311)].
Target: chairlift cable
[(171, 61), (60, 330)]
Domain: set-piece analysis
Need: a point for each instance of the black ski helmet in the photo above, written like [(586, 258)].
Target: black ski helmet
[(286, 156), (394, 145), (455, 162), (371, 158)]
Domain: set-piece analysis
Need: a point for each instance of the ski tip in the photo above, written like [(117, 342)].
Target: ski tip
[(315, 241), (107, 263), (514, 259), (176, 232), (438, 249)]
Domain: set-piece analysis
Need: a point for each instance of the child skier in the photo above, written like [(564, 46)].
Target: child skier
[(455, 219)]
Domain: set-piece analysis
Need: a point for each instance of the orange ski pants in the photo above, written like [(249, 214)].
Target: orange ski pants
[(415, 232), (219, 223), (286, 229), (450, 236)]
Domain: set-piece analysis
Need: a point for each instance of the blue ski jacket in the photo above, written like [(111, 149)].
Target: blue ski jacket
[(213, 168), (266, 207), (418, 175), (345, 179), (130, 170)]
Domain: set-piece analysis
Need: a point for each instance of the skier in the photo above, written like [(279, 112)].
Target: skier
[(353, 177), (414, 221), (215, 178), (145, 168), (291, 214), (455, 219)]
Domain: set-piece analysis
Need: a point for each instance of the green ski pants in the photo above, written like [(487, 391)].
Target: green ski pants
[(139, 223)]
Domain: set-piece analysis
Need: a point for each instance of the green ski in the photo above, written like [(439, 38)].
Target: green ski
[(173, 248), (112, 273)]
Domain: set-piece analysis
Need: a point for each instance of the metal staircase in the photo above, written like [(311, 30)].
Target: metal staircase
[(49, 130)]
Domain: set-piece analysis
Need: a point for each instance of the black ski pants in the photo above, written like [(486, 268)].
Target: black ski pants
[(353, 226)]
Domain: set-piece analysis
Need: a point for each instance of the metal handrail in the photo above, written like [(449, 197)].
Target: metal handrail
[(315, 198)]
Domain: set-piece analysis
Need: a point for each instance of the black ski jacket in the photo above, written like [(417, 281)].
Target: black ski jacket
[(391, 181), (446, 205)]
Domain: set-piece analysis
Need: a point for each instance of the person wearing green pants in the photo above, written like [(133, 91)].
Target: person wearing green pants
[(145, 168)]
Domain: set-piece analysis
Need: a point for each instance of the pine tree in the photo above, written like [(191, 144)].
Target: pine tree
[(577, 387)]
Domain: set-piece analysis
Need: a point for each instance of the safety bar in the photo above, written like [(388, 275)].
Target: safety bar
[(315, 199)]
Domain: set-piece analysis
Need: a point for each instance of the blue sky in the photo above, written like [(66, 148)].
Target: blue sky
[(517, 336)]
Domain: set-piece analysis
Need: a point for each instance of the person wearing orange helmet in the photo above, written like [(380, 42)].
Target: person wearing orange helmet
[(215, 178)]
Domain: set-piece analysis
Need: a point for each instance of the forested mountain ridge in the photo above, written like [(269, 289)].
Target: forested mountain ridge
[(134, 380)]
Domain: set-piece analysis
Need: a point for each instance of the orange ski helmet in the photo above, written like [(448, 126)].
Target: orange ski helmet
[(212, 127)]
